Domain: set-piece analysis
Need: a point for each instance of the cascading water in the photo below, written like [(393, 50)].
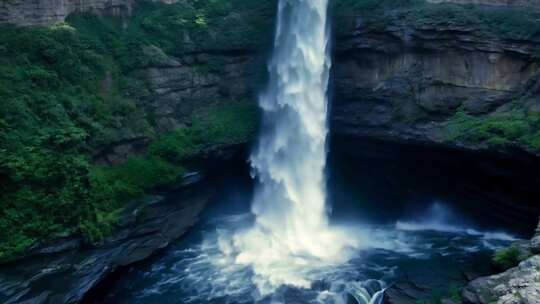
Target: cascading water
[(291, 229), (290, 159)]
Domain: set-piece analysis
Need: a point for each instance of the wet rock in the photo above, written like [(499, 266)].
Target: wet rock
[(524, 248), (65, 271), (519, 285), (535, 244), (404, 293)]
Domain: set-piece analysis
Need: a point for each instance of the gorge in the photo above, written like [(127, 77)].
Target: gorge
[(122, 122)]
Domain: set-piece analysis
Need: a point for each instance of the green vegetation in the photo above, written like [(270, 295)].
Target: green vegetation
[(67, 91), (214, 25), (518, 23), (507, 258), (498, 23), (52, 111), (500, 129)]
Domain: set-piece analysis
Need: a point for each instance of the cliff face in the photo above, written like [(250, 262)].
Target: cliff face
[(507, 3), (41, 12), (175, 89), (411, 75)]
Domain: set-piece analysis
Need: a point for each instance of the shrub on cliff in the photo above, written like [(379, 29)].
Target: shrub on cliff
[(503, 23), (507, 258), (501, 129)]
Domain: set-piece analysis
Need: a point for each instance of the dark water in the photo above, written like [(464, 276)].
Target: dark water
[(429, 251)]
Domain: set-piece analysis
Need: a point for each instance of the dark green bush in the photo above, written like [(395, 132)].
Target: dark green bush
[(500, 129), (507, 258), (175, 146), (227, 124), (505, 23)]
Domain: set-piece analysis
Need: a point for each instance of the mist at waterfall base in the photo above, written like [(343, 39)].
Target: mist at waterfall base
[(435, 247)]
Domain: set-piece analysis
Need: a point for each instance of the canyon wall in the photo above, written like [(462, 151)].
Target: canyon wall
[(414, 77), (41, 12), (407, 76), (508, 3)]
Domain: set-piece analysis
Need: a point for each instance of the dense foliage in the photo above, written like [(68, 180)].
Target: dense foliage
[(207, 25), (500, 129), (66, 92), (507, 258), (507, 23)]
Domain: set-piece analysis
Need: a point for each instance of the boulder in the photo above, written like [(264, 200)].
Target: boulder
[(519, 285)]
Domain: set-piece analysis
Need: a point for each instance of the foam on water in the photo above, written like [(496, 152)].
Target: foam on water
[(208, 270)]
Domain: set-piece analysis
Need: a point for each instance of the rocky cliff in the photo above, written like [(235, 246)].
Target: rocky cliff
[(439, 74), (507, 3), (460, 78), (42, 12)]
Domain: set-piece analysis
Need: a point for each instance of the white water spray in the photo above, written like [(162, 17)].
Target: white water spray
[(291, 233), (290, 159)]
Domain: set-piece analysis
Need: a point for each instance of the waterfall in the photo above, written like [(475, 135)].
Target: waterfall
[(291, 234), (290, 159)]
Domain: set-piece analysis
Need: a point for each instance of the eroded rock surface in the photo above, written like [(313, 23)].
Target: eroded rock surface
[(64, 271), (41, 12), (404, 82), (519, 285), (508, 3)]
